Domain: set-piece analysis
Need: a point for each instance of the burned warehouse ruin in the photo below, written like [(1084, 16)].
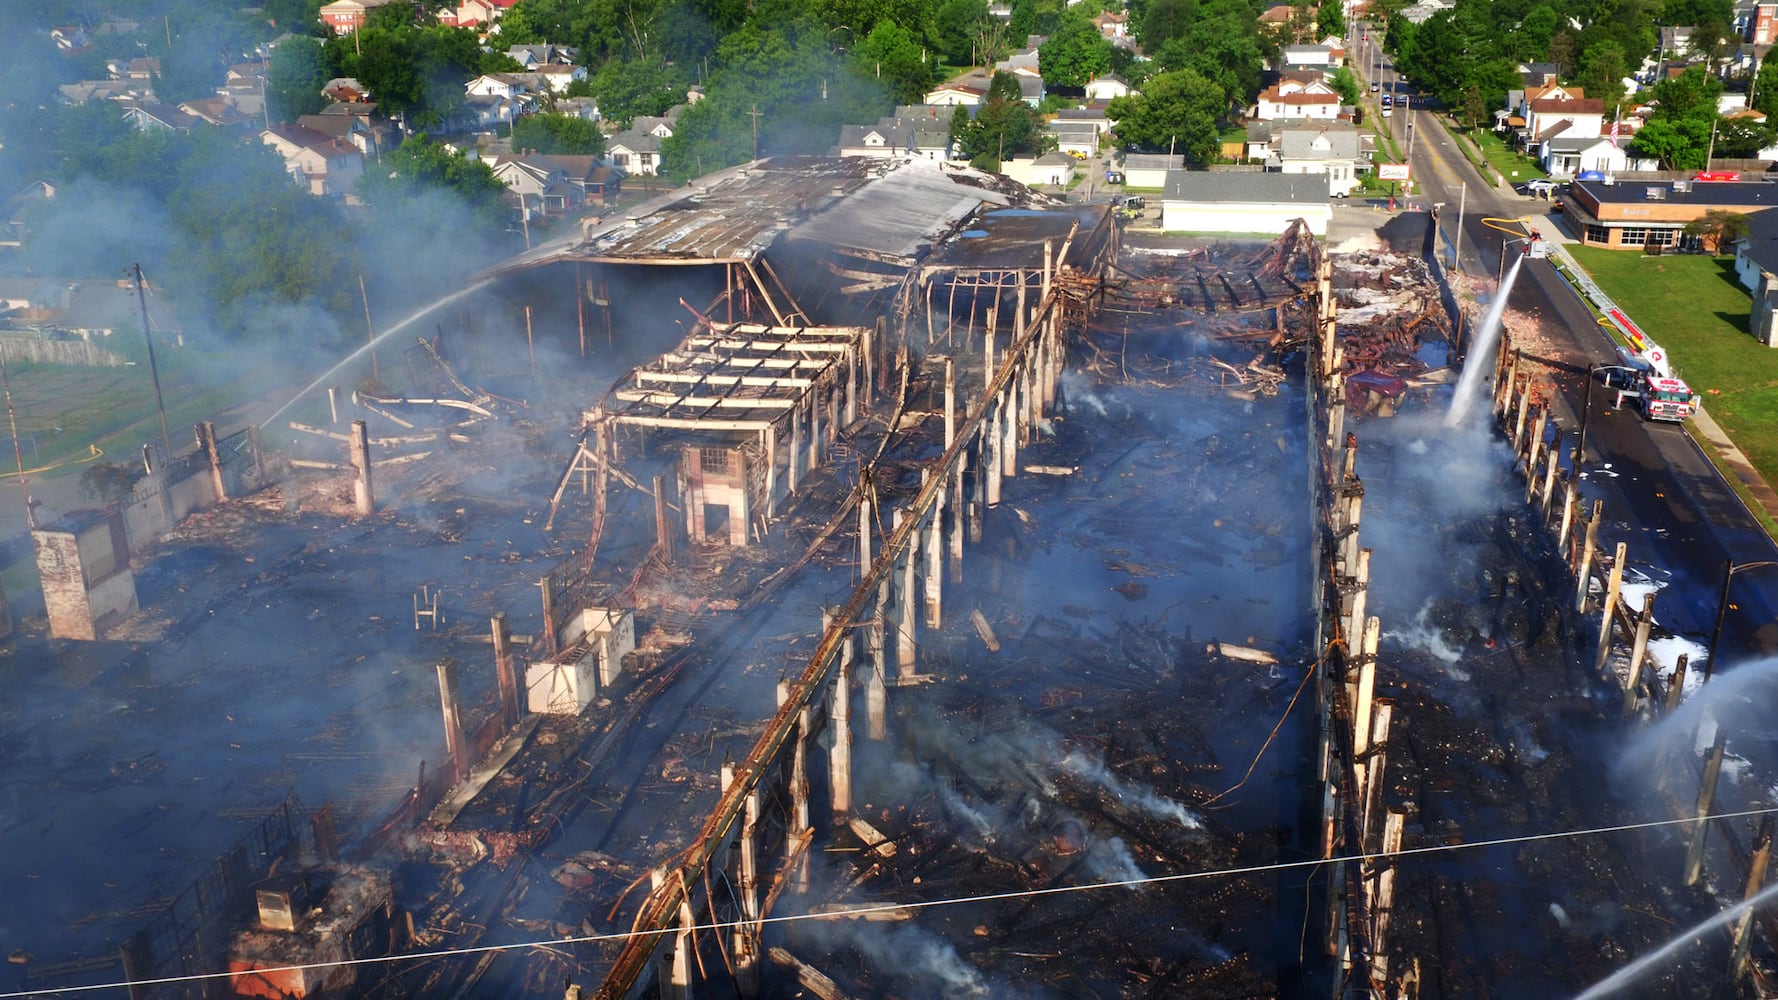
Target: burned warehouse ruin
[(858, 577)]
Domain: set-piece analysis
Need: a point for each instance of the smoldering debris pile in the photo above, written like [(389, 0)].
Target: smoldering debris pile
[(1392, 328)]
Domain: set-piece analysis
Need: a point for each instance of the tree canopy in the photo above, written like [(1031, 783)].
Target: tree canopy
[(1176, 110)]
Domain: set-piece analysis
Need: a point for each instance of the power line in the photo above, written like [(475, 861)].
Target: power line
[(858, 911)]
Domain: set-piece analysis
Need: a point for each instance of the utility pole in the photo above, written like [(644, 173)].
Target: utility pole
[(1457, 238), (753, 112), (160, 407), (17, 452)]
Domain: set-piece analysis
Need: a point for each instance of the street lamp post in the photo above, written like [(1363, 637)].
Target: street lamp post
[(1729, 569), (1586, 410)]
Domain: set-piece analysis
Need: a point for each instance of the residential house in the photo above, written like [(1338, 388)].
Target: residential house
[(598, 182), (346, 90), (1338, 150), (1092, 114), (222, 112), (1201, 201), (1107, 87), (1565, 156), (1291, 99), (1756, 263), (1646, 214), (474, 13), (637, 149), (882, 140), (555, 77), (70, 39), (969, 88), (355, 129), (502, 85), (1112, 25), (579, 107), (323, 165), (1757, 23), (140, 68), (160, 118), (486, 112), (533, 56), (1421, 12), (342, 17), (1021, 63), (18, 211), (122, 91), (538, 183), (1559, 112)]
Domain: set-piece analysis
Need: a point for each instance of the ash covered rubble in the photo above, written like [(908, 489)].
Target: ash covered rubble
[(1392, 328)]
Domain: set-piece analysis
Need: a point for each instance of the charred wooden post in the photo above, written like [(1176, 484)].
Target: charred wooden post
[(665, 535), (794, 468), (1365, 689), (959, 516), (906, 655), (992, 442), (363, 497), (867, 496), (551, 639), (1614, 583), (800, 819), (1756, 880), (676, 962), (1352, 498), (1694, 855), (1534, 447), (1552, 464), (207, 443), (1570, 500), (934, 572), (1382, 894), (1373, 776), (503, 671), (950, 402), (839, 751), (1589, 545), (1359, 594), (1010, 422), (1638, 653), (453, 719), (1521, 414), (1676, 687), (743, 863), (770, 445), (815, 442), (876, 686)]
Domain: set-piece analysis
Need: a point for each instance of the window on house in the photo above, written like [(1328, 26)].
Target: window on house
[(623, 159), (1598, 234)]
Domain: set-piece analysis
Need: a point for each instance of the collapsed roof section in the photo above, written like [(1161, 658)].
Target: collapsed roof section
[(882, 208)]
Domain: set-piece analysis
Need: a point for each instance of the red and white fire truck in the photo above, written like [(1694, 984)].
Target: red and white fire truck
[(1646, 377)]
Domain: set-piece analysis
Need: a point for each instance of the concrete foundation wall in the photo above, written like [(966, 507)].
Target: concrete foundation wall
[(595, 643), (87, 583)]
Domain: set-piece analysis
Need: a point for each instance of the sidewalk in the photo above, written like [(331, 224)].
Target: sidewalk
[(1731, 459)]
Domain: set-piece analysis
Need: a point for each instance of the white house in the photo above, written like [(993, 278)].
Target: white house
[(1051, 168), (1078, 138), (968, 88), (1200, 201), (1104, 88), (1149, 170), (1293, 99), (1569, 157), (323, 165), (1335, 151), (537, 183)]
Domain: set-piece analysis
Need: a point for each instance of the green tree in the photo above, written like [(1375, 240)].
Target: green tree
[(1679, 131), (1224, 47), (1075, 54), (1165, 20), (1001, 128), (627, 88), (1601, 73), (294, 79), (892, 55), (956, 26), (552, 133), (420, 169), (1719, 229), (1177, 110), (1765, 89), (1330, 20), (1347, 85)]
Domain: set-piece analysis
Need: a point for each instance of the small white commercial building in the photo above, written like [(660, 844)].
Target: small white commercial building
[(1202, 201)]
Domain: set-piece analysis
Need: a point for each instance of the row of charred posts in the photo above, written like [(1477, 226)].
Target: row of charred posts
[(1362, 834), (758, 837), (1651, 690)]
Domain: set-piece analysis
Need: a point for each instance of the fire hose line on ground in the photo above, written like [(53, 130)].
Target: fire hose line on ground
[(1404, 853)]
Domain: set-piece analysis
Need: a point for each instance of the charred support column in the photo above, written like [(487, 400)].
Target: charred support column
[(743, 862), (363, 498), (1534, 447), (1569, 501), (1588, 545), (959, 514), (934, 580), (866, 505), (453, 719), (1756, 880), (770, 444), (1373, 784), (815, 427), (1639, 653), (876, 687), (665, 535), (839, 752), (675, 978), (207, 442), (950, 402), (992, 441), (550, 638), (1361, 581), (1352, 507), (1694, 856), (1613, 584), (1382, 895), (503, 671), (794, 468), (906, 654), (1011, 417), (799, 766), (1552, 465)]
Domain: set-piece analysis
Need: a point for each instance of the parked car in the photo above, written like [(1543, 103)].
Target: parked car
[(1540, 188), (1114, 176)]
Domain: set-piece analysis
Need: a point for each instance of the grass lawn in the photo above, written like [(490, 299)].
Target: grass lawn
[(1692, 306), (1514, 166)]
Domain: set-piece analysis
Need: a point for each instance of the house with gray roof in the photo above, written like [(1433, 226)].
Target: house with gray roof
[(1337, 150), (1077, 138), (1227, 202)]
